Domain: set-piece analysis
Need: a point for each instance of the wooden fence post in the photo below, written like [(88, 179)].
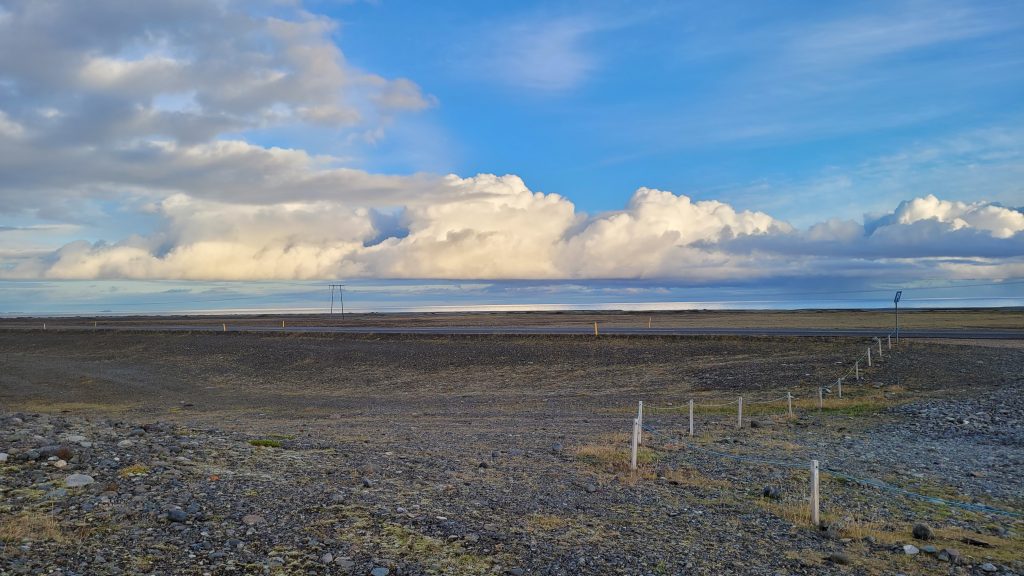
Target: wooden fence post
[(821, 402), (633, 445), (815, 495), (739, 414), (789, 400), (595, 328), (640, 422)]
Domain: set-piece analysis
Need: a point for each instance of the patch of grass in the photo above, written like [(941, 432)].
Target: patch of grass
[(614, 457), (35, 527), (266, 443), (133, 470), (546, 521), (281, 436)]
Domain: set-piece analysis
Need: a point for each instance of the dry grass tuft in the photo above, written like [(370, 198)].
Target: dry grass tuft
[(35, 527)]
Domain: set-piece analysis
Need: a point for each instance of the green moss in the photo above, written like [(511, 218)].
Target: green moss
[(266, 443)]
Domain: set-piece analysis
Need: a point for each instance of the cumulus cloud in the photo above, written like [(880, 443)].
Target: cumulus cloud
[(124, 109)]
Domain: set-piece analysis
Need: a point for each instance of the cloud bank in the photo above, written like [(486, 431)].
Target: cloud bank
[(137, 125)]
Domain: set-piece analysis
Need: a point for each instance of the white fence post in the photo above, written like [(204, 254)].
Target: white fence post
[(691, 418), (839, 384), (640, 422), (789, 400), (739, 414), (856, 369), (633, 445), (879, 348), (821, 402), (815, 495), (224, 327), (869, 356), (889, 338)]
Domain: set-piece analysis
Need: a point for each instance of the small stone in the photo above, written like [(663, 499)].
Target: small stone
[(327, 558), (772, 492), (483, 464), (367, 483), (380, 571), (988, 567), (929, 549), (3, 456), (839, 558), (78, 480), (253, 519), (951, 555), (923, 532), (590, 488), (177, 515), (755, 424), (345, 563), (60, 464), (472, 538), (517, 571), (556, 448), (910, 549), (125, 444)]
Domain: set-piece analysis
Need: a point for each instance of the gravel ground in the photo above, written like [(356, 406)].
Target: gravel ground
[(238, 454)]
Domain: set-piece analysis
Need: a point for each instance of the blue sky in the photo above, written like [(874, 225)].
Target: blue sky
[(727, 100), (669, 150)]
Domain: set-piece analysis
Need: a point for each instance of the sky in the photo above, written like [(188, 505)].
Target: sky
[(730, 154)]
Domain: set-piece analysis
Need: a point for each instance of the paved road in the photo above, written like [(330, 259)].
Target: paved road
[(552, 330)]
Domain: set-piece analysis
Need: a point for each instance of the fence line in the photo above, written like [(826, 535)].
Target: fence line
[(815, 465)]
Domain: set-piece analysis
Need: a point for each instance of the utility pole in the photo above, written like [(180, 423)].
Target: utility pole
[(896, 303), (341, 296)]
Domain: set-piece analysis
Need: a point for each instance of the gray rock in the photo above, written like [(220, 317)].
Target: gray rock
[(380, 571), (923, 531), (929, 549), (367, 483), (177, 515), (590, 488), (517, 571), (910, 549), (839, 558), (345, 563), (3, 456), (78, 480), (988, 567), (253, 519), (327, 558), (772, 492), (556, 448)]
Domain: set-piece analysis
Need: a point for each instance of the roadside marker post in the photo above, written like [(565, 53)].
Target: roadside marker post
[(789, 401), (44, 326), (869, 356), (889, 338), (225, 327), (282, 324), (815, 495), (691, 418), (595, 328), (879, 348), (739, 414), (633, 447)]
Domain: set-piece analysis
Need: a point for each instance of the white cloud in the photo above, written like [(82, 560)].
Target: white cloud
[(540, 54)]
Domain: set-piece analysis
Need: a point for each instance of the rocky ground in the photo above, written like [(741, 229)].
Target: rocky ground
[(238, 454)]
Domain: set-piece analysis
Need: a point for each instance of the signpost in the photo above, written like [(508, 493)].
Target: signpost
[(896, 303)]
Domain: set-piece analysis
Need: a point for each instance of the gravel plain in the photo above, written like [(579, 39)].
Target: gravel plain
[(272, 454)]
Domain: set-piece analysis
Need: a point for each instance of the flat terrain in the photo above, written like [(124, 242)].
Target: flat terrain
[(881, 321), (298, 453)]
